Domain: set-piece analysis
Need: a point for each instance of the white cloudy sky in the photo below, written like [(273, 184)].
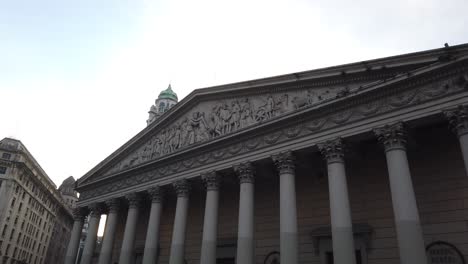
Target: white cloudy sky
[(78, 77)]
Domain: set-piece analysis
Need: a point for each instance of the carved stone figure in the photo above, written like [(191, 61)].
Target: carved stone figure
[(246, 118), (225, 115), (235, 115)]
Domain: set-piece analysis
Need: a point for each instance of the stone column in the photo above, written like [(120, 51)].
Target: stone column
[(210, 224), (90, 243), (458, 120), (288, 216), (72, 250), (408, 227), (128, 242), (180, 223), (340, 210), (152, 235), (245, 233), (105, 255)]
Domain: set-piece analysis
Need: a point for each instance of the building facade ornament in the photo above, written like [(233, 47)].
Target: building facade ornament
[(79, 214), (245, 172), (458, 119), (392, 136), (211, 181), (95, 209), (284, 162), (113, 205), (155, 194), (182, 187), (134, 200), (332, 150)]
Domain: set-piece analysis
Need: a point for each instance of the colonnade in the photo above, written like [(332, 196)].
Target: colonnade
[(407, 222)]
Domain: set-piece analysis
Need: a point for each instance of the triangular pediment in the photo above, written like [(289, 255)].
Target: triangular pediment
[(211, 113)]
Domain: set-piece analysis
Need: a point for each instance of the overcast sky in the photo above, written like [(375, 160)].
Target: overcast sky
[(77, 78)]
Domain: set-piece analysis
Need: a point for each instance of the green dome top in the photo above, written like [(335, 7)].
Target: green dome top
[(168, 94)]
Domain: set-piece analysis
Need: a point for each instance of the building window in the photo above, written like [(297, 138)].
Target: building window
[(6, 156), (2, 170)]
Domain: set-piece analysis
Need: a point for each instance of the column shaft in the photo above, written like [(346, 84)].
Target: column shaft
[(210, 224), (245, 233), (105, 255), (128, 242), (74, 243), (152, 236), (91, 237), (288, 214), (464, 148), (177, 255), (408, 227), (342, 229), (340, 210)]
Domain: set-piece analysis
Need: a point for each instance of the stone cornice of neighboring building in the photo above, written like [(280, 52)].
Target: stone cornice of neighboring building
[(275, 130), (54, 195), (325, 76)]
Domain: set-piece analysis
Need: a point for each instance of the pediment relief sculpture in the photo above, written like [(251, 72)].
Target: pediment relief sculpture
[(213, 119)]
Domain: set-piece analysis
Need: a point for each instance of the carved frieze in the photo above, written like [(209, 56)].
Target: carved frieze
[(213, 119), (408, 95)]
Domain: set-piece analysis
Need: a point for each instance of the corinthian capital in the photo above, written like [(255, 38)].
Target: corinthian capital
[(79, 214), (155, 193), (245, 172), (332, 150), (211, 181), (458, 119), (284, 162), (392, 136), (113, 205), (182, 188), (96, 209), (133, 199)]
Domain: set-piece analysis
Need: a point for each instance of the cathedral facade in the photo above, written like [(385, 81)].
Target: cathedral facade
[(358, 163)]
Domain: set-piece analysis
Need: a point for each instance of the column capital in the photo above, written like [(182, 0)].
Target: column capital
[(458, 119), (113, 205), (155, 193), (284, 162), (245, 172), (79, 214), (96, 209), (182, 187), (133, 199), (211, 181), (332, 150), (392, 136)]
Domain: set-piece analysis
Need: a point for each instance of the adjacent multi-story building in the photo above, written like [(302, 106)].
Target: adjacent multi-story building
[(33, 217)]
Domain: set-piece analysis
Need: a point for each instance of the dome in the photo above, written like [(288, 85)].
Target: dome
[(168, 94)]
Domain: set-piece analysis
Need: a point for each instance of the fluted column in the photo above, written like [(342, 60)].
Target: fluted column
[(152, 235), (458, 120), (90, 243), (340, 210), (284, 163), (105, 255), (245, 233), (408, 227), (210, 224), (180, 222), (72, 250), (128, 242)]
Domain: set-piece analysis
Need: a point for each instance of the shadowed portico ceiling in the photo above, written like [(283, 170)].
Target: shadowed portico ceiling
[(218, 123)]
